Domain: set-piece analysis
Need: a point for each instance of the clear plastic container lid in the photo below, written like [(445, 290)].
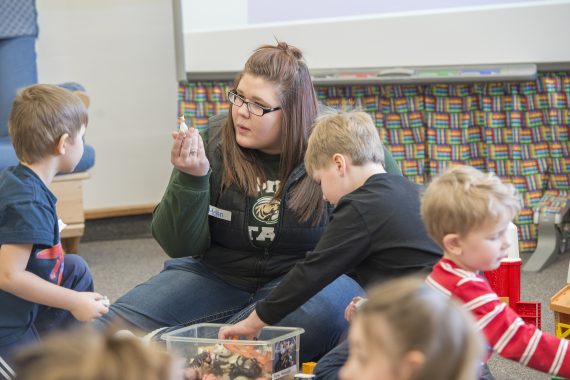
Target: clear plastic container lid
[(208, 333)]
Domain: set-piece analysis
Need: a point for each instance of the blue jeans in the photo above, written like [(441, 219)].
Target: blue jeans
[(76, 276), (185, 293), (328, 367), (17, 70)]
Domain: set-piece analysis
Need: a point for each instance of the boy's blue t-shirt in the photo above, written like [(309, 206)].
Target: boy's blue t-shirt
[(27, 216)]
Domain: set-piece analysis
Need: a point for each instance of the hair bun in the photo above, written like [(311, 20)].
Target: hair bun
[(295, 52)]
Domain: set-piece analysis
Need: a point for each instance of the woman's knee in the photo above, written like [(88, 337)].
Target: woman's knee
[(334, 298)]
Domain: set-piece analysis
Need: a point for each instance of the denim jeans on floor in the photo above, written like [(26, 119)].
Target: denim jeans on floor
[(17, 69), (76, 276), (328, 367), (186, 292)]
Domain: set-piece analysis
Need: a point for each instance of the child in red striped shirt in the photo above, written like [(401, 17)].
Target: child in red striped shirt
[(467, 213)]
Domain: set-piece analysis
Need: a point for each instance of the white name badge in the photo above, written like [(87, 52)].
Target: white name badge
[(219, 213)]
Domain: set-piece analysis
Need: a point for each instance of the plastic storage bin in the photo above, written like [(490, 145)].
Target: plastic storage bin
[(275, 355)]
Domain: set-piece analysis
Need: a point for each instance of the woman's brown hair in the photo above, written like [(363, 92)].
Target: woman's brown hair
[(282, 65)]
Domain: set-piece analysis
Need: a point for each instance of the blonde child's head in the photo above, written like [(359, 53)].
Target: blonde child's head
[(86, 354), (41, 115), (406, 331), (352, 134), (463, 199)]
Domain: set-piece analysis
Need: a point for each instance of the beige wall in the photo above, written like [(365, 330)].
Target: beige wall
[(122, 51)]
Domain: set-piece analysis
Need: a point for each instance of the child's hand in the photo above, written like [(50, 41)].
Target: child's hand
[(352, 307), (188, 154), (88, 306)]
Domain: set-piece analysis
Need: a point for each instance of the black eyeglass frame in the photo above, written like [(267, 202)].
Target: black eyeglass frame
[(243, 101)]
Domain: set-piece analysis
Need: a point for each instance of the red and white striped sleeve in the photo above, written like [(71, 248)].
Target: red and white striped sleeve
[(506, 333)]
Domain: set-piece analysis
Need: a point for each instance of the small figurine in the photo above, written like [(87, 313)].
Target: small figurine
[(182, 124), (105, 301), (245, 367)]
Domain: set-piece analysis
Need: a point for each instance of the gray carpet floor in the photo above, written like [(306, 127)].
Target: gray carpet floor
[(118, 265)]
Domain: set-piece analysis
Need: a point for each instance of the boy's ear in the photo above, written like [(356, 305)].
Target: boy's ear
[(339, 163), (61, 144), (452, 244), (412, 362)]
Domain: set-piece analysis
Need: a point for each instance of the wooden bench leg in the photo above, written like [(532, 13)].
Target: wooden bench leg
[(68, 189), (71, 244)]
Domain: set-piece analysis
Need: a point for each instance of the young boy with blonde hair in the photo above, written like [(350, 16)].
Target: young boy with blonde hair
[(375, 228), (40, 287), (467, 213)]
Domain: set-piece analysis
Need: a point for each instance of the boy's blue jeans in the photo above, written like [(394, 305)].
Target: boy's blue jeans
[(186, 293), (76, 276)]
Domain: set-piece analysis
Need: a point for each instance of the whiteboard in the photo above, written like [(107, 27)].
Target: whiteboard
[(531, 32)]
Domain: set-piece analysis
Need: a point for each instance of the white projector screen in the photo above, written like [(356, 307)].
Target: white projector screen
[(386, 34)]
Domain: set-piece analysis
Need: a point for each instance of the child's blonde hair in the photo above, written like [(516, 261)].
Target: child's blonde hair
[(464, 198), (417, 318), (86, 354), (351, 133), (40, 115)]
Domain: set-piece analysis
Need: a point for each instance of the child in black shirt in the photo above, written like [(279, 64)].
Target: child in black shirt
[(375, 230)]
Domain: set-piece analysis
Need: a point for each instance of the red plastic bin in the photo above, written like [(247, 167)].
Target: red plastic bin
[(530, 312), (506, 280)]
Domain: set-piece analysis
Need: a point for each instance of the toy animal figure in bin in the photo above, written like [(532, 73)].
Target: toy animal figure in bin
[(229, 362), (467, 212)]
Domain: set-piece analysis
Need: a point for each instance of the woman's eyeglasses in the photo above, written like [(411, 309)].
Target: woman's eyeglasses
[(253, 108)]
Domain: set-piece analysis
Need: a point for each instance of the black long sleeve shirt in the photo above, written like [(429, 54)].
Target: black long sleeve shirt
[(376, 231)]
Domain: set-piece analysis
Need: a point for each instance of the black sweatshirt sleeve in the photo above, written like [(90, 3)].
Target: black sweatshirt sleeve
[(343, 246)]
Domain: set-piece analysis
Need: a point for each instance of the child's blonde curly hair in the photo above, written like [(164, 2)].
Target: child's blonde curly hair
[(464, 198)]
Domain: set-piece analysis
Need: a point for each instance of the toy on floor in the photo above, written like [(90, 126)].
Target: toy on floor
[(308, 367), (506, 282), (560, 305), (307, 370)]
